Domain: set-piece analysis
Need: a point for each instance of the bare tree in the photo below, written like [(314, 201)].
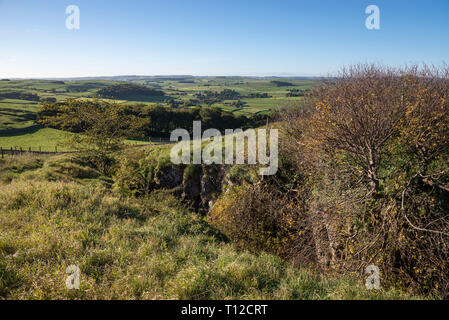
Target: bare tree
[(358, 113)]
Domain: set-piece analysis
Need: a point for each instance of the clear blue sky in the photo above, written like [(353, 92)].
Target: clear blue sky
[(211, 37)]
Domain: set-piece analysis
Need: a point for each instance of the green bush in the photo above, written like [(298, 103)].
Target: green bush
[(254, 218)]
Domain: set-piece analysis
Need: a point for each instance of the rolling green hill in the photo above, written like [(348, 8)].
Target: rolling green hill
[(17, 116)]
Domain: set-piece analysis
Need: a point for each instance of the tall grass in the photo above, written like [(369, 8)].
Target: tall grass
[(128, 248)]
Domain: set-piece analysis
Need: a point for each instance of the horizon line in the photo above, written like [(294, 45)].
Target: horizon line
[(167, 75)]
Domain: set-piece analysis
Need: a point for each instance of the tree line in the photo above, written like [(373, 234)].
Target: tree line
[(128, 91), (19, 95), (155, 121)]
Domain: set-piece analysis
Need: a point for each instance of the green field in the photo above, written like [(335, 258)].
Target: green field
[(17, 116), (45, 139), (20, 114), (16, 113)]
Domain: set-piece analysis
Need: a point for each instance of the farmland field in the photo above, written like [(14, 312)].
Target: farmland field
[(17, 116), (44, 139), (15, 113)]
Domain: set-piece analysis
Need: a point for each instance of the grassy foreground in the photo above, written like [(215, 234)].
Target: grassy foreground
[(53, 214)]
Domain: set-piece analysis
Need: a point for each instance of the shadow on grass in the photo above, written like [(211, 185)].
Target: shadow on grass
[(20, 131)]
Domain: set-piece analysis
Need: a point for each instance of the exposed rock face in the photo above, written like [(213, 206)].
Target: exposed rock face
[(191, 186), (211, 184), (169, 178), (200, 186)]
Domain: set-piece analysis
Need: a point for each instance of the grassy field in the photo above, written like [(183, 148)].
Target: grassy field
[(44, 139), (47, 139), (260, 105), (15, 113), (57, 89), (20, 114)]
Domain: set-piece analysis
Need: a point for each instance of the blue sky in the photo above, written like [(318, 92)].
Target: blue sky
[(227, 37)]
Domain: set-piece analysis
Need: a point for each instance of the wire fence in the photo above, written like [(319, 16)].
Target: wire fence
[(37, 150), (15, 151)]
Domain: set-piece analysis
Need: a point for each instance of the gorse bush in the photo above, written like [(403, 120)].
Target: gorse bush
[(243, 215), (138, 169), (264, 215)]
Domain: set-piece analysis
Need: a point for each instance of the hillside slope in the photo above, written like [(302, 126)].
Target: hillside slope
[(55, 212)]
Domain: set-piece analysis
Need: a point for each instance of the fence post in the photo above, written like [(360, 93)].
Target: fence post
[(1, 148), (29, 149), (21, 150)]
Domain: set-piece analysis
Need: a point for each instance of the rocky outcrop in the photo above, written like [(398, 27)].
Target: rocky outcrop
[(191, 186), (201, 185), (211, 184), (169, 177)]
